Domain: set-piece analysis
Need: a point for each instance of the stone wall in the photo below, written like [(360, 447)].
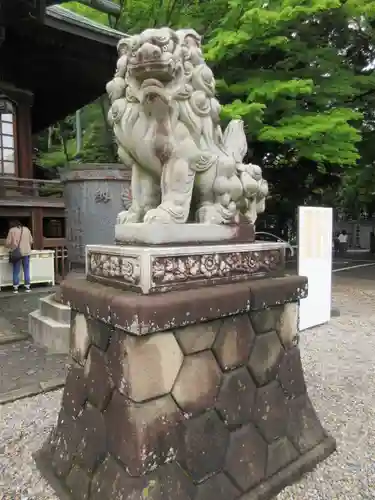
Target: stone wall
[(216, 410)]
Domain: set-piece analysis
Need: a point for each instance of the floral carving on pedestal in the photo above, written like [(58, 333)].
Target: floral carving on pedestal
[(126, 269), (209, 266)]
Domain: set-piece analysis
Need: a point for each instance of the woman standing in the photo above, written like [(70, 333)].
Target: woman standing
[(19, 241)]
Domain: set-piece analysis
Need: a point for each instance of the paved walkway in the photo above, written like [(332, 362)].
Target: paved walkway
[(25, 369), (14, 312)]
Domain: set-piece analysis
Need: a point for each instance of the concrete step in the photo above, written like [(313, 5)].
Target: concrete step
[(48, 333), (54, 310)]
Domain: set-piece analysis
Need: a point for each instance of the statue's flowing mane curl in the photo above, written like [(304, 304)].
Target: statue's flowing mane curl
[(166, 121)]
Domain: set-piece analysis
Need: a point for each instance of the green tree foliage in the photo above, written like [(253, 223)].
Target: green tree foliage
[(356, 194), (297, 72)]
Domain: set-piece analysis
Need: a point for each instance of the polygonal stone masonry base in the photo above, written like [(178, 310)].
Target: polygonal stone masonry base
[(212, 411)]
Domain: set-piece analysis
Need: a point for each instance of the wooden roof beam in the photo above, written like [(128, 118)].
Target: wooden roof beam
[(106, 6)]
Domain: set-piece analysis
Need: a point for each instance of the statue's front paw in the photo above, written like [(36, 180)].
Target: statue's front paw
[(157, 215), (127, 216)]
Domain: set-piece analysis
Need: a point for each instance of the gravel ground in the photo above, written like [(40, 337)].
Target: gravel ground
[(338, 360), (25, 425)]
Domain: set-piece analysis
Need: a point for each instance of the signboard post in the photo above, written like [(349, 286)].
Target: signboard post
[(315, 262)]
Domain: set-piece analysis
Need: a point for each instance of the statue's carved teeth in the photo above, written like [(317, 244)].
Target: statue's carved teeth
[(151, 82)]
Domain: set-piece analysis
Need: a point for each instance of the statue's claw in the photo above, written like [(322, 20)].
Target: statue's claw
[(128, 216), (157, 215)]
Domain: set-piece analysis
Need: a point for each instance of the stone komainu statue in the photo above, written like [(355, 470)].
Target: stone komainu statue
[(166, 122)]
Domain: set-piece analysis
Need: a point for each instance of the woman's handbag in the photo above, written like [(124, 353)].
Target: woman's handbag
[(15, 254)]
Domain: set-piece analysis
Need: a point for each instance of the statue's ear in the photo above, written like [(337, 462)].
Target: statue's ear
[(123, 45), (196, 36), (184, 33)]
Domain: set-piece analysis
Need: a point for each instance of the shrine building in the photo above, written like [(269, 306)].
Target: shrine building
[(53, 62)]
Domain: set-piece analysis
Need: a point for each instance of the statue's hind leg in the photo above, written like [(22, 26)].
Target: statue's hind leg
[(217, 197), (176, 190)]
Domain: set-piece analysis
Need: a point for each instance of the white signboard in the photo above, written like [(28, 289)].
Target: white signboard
[(315, 262)]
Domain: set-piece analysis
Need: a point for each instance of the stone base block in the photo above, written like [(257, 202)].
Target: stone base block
[(216, 410), (177, 234), (153, 269), (50, 308), (48, 333)]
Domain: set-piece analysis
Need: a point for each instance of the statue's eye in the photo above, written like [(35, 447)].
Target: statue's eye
[(165, 48)]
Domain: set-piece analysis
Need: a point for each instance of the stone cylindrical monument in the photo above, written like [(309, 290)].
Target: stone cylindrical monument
[(93, 195)]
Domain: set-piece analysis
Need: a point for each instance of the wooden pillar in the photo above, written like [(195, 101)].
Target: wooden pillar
[(37, 227), (24, 141)]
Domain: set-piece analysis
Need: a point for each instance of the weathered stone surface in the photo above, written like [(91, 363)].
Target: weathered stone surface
[(111, 481), (145, 435), (288, 324), (246, 458), (116, 354), (169, 482), (280, 454), (99, 333), (79, 337), (93, 445), (265, 357), (65, 446), (98, 379), (283, 290), (218, 487), (153, 311), (270, 411), (198, 383), (166, 483), (78, 483), (150, 366), (75, 392), (205, 445), (304, 428), (236, 398), (266, 320), (196, 338), (234, 341), (291, 373)]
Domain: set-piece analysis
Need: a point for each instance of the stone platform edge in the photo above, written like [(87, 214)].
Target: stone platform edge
[(271, 487), (143, 314)]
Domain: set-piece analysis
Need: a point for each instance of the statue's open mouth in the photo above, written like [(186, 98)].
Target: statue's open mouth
[(160, 70)]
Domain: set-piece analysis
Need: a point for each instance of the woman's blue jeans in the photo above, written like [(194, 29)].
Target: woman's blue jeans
[(25, 262)]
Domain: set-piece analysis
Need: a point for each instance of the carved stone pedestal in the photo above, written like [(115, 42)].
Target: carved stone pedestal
[(186, 395), (163, 268)]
